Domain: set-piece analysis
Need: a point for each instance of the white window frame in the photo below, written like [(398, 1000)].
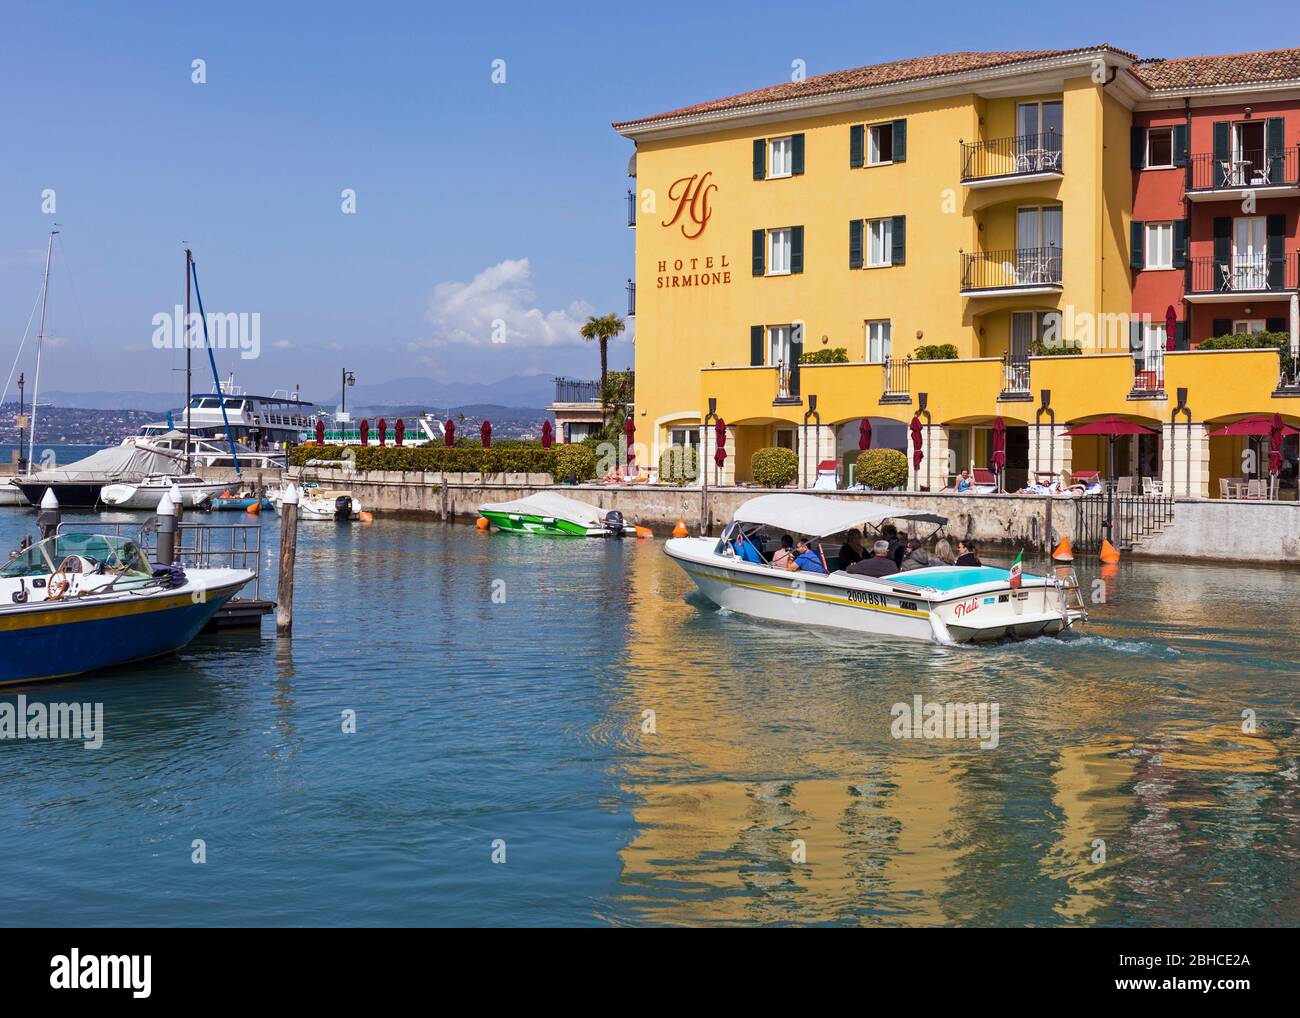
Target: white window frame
[(1251, 325), (1159, 244), (879, 332), (689, 436), (785, 146), (1148, 164), (794, 438), (1250, 261), (873, 144), (885, 227), (1155, 339), (779, 338), (779, 241)]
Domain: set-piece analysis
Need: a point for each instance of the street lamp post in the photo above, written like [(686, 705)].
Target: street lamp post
[(349, 378)]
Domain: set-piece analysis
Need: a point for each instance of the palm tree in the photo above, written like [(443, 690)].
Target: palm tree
[(603, 328)]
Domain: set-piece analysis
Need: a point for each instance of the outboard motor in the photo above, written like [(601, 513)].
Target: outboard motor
[(343, 508), (614, 522)]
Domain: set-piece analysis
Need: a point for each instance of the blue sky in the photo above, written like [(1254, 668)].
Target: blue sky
[(473, 199)]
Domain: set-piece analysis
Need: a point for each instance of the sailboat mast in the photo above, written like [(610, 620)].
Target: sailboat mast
[(40, 345), (185, 414)]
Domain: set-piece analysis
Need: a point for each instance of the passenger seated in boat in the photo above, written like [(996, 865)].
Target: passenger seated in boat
[(746, 550), (969, 554), (784, 557), (943, 552), (807, 559), (917, 557), (880, 563), (852, 550)]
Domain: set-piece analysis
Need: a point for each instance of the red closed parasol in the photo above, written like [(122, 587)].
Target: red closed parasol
[(1171, 326), (320, 432), (720, 440), (399, 431), (485, 432), (864, 435), (1275, 445), (383, 431), (548, 434), (449, 433), (629, 432), (365, 431), (999, 458), (917, 454)]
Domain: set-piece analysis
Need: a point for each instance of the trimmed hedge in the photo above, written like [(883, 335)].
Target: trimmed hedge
[(774, 467), (579, 460), (679, 465), (935, 352), (514, 459), (881, 469), (1247, 341), (827, 355)]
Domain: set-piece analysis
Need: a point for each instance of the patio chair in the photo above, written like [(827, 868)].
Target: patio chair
[(1255, 489), (1147, 486), (1225, 488), (1124, 486), (1225, 277), (1227, 171)]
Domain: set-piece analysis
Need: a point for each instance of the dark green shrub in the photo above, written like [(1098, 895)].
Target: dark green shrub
[(774, 468), (578, 460), (935, 352), (1247, 341), (474, 458), (827, 355), (881, 469), (679, 464)]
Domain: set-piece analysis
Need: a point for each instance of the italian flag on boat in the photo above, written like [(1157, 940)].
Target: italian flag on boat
[(1015, 570)]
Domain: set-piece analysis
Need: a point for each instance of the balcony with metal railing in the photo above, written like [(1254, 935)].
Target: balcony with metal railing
[(1265, 174), (1148, 374), (1233, 277), (895, 383), (631, 208), (1024, 270), (1016, 160), (631, 299), (1015, 378), (574, 390)]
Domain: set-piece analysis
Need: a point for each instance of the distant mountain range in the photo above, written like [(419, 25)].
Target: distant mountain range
[(517, 391)]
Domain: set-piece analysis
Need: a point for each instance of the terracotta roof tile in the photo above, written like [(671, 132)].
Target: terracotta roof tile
[(894, 72), (1226, 69)]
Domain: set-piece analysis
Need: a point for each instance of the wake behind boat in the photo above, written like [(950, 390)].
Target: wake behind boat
[(944, 603), (551, 513)]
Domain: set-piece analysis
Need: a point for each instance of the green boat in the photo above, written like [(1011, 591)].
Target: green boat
[(555, 515)]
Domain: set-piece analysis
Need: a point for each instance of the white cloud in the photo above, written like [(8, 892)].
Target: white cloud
[(497, 305), (282, 344)]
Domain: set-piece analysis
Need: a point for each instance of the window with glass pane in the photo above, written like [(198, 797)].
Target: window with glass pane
[(1160, 147), (1249, 254), (685, 436), (878, 341), (880, 144), (778, 345), (1039, 126), (780, 154), (880, 236), (778, 253), (1160, 245)]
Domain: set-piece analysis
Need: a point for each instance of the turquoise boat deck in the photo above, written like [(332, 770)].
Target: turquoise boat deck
[(957, 576)]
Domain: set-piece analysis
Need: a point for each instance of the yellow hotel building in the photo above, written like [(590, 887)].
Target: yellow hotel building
[(959, 199)]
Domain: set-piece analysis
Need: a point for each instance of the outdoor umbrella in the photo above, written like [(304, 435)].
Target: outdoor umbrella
[(399, 431), (320, 432), (720, 440), (1275, 450), (486, 432), (999, 458), (449, 433), (864, 435), (917, 454), (548, 434), (383, 431), (1259, 424), (1171, 326), (629, 431), (365, 431), (1112, 428)]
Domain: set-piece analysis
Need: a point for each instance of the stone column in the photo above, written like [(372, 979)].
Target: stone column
[(1178, 453), (1049, 449), (813, 448), (934, 465), (727, 475)]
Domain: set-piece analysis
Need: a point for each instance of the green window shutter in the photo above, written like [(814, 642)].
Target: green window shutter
[(796, 154), (900, 141), (1275, 324), (1274, 131), (1137, 145), (756, 346), (857, 146), (1222, 243), (760, 158), (796, 356), (898, 232), (1180, 335), (796, 249), (1137, 238), (855, 243), (1180, 243), (1222, 327), (1222, 143), (1135, 339), (1276, 250), (759, 254), (1180, 144)]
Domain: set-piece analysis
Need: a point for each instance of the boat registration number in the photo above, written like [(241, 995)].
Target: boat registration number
[(878, 600)]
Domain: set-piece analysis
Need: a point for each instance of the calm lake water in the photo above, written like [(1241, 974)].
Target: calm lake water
[(523, 721)]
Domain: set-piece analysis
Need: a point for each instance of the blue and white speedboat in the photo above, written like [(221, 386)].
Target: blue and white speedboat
[(945, 603), (79, 602)]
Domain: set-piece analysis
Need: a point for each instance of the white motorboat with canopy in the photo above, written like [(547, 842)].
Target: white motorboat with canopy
[(945, 602), (549, 512)]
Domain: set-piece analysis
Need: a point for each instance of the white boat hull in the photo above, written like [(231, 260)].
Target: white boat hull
[(140, 496), (977, 612)]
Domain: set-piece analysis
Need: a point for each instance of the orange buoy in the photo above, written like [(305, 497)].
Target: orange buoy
[(482, 523), (254, 509), (680, 530), (1109, 552), (1063, 552), (644, 532), (366, 517)]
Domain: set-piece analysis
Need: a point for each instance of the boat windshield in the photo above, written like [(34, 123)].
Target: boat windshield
[(118, 555)]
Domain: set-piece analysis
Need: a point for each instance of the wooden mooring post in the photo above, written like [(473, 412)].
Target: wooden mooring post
[(288, 551)]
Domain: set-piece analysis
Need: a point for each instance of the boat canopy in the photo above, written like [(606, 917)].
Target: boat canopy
[(818, 517), (116, 463), (551, 504)]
